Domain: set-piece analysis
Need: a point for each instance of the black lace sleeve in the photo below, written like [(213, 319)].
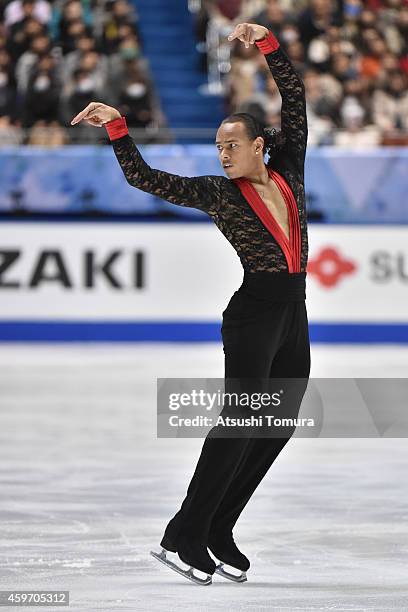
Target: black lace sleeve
[(202, 192), (293, 112)]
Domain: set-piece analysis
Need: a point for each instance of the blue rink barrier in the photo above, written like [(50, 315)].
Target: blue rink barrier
[(164, 331), (341, 185)]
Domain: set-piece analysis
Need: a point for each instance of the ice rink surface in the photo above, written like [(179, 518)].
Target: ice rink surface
[(87, 489)]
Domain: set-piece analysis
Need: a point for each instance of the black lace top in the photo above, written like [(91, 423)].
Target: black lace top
[(221, 198)]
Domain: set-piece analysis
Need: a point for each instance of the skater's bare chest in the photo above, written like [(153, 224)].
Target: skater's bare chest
[(275, 203)]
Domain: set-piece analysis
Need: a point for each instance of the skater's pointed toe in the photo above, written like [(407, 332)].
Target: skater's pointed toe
[(224, 548), (195, 554), (189, 573)]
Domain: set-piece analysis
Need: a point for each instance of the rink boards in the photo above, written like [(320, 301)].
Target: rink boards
[(171, 282)]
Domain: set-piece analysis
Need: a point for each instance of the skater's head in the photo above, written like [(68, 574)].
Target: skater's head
[(242, 141)]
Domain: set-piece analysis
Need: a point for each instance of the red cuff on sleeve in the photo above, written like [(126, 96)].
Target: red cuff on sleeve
[(268, 44), (116, 128)]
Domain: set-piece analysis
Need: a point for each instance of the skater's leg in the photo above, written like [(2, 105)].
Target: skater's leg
[(292, 360), (248, 353)]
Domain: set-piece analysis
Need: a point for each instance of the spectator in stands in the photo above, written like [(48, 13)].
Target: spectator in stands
[(128, 49), (201, 19), (126, 62), (402, 23), (296, 52), (390, 104), (323, 94), (221, 15), (351, 18), (244, 78), (316, 19), (47, 134), (322, 100), (389, 64), (265, 105), (367, 18), (135, 98), (371, 60), (7, 85), (26, 13), (83, 44), (343, 67), (41, 100), (355, 131), (289, 33), (81, 89), (16, 10), (97, 65), (75, 29), (40, 47), (320, 52), (272, 17), (74, 19), (10, 131), (21, 34), (88, 82), (119, 14)]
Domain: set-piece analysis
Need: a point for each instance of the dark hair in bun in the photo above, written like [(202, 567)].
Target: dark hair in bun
[(273, 139)]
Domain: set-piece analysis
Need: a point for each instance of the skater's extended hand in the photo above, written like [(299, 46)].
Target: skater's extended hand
[(248, 33), (96, 113)]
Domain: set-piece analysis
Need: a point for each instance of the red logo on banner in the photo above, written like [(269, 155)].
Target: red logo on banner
[(329, 266)]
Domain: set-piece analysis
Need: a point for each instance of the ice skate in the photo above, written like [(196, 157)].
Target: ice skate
[(226, 551), (162, 556), (231, 576), (195, 555), (170, 535)]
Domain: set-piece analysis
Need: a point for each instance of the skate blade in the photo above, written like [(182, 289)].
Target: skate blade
[(186, 573), (222, 572)]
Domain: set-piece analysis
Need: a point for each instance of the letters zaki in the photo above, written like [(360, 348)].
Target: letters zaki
[(52, 267)]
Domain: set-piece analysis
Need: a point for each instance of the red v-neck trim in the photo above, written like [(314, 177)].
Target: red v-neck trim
[(294, 222), (292, 247)]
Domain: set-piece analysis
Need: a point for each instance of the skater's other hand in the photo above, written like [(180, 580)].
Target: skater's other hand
[(96, 113), (248, 33)]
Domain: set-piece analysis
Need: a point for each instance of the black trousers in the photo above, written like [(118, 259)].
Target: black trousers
[(265, 336)]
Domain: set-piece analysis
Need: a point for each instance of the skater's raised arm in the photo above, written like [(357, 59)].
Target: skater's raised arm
[(202, 192), (290, 85)]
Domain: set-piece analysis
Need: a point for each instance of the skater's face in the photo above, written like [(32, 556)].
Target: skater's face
[(238, 154)]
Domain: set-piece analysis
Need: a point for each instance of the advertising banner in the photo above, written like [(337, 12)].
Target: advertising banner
[(184, 274)]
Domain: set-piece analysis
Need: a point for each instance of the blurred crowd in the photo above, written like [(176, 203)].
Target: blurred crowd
[(352, 55), (56, 56)]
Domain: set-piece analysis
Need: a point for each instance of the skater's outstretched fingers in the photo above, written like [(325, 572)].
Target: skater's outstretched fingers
[(88, 109), (96, 113), (239, 32), (248, 33)]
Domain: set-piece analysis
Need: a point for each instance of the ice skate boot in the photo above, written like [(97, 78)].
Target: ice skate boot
[(226, 551), (194, 554)]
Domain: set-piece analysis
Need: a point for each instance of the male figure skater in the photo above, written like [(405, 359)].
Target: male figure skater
[(260, 208)]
